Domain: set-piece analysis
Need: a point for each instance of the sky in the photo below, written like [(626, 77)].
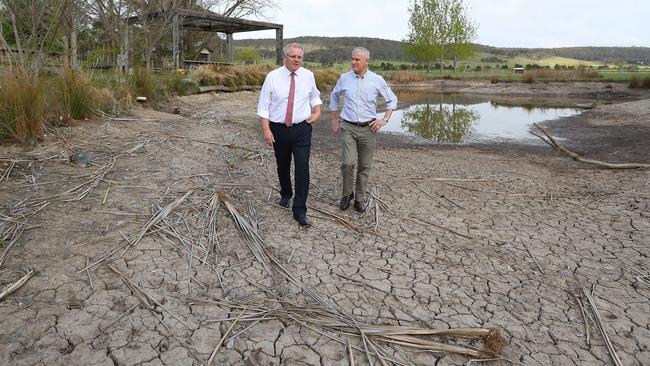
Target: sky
[(501, 23)]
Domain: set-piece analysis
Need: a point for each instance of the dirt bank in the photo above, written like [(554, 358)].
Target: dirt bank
[(499, 237)]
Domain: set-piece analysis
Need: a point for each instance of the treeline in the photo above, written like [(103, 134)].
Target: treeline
[(329, 50), (631, 55), (337, 49)]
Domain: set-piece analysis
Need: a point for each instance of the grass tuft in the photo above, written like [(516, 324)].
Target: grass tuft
[(22, 105), (79, 97), (144, 84)]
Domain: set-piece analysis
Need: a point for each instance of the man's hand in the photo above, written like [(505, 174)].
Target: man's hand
[(334, 123), (315, 115), (313, 118), (377, 124), (268, 136)]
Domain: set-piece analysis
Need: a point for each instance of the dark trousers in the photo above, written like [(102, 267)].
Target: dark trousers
[(293, 141)]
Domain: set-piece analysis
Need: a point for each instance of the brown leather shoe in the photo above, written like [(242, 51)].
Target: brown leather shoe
[(345, 202), (360, 206)]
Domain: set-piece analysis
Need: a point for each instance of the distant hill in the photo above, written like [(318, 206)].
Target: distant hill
[(334, 49), (629, 55), (337, 50)]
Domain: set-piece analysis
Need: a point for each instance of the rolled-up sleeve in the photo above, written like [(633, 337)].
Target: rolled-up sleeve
[(264, 103), (388, 95), (314, 94), (334, 97)]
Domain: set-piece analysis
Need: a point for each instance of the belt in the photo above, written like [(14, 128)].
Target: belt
[(284, 125), (360, 124)]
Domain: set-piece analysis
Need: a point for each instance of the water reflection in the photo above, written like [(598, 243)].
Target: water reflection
[(440, 122), (463, 118)]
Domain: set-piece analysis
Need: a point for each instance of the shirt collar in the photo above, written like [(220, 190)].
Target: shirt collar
[(288, 72), (361, 76)]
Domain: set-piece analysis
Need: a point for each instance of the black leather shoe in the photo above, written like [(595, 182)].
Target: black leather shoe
[(345, 202), (360, 206), (284, 202), (302, 220)]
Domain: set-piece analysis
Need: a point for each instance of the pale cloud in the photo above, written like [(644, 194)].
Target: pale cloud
[(507, 23)]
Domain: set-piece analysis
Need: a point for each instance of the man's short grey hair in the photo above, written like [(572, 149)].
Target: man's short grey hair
[(285, 49), (363, 51)]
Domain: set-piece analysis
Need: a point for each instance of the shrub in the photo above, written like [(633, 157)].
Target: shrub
[(646, 82), (175, 83), (635, 82), (326, 79), (405, 77), (529, 78), (22, 105)]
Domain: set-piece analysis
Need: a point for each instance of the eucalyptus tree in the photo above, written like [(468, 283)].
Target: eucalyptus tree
[(438, 30)]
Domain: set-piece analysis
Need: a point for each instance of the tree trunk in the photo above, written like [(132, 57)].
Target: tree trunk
[(455, 61), (74, 50), (66, 52)]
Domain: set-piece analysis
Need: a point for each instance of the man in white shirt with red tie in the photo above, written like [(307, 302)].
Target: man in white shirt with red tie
[(288, 106)]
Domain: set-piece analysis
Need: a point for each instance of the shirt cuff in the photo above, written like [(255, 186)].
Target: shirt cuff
[(315, 101), (263, 114)]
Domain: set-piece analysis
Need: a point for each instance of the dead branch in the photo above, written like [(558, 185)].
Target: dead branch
[(555, 145)]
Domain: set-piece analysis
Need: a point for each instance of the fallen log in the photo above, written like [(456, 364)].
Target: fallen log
[(554, 144)]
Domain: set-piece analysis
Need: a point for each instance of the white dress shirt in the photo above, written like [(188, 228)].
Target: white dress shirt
[(274, 96)]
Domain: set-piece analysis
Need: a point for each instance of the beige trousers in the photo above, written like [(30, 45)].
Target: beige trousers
[(358, 149)]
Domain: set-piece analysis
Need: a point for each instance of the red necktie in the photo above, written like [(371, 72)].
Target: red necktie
[(288, 119)]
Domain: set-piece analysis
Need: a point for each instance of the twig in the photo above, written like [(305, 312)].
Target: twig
[(216, 349), (350, 352), (90, 279), (346, 222), (5, 175), (442, 227), (532, 256), (601, 327), (120, 317), (17, 285), (584, 317), (430, 196), (106, 195)]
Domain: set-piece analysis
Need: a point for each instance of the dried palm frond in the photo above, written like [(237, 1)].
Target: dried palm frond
[(330, 318)]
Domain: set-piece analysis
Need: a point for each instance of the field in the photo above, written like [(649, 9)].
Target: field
[(154, 238)]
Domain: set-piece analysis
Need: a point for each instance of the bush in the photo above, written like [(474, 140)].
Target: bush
[(230, 76), (637, 82), (529, 78), (326, 79), (646, 82), (22, 105), (175, 83), (405, 77)]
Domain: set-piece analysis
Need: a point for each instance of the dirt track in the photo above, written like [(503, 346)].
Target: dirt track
[(457, 243)]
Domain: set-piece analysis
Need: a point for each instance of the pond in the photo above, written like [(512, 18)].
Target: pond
[(461, 118)]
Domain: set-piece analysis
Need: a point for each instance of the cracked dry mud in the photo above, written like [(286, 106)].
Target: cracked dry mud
[(456, 250)]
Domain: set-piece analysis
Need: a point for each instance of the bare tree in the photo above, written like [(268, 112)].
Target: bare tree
[(240, 8), (34, 26)]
